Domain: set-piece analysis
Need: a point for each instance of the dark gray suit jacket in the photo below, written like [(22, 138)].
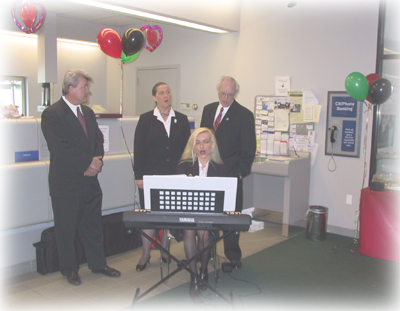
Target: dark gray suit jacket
[(236, 137), (71, 152)]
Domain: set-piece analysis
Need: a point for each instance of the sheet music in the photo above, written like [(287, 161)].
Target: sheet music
[(178, 182)]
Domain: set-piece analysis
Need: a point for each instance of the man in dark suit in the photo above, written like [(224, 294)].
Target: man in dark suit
[(235, 132), (76, 150)]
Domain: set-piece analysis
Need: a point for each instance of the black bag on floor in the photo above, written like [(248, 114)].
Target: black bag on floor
[(47, 255), (116, 240)]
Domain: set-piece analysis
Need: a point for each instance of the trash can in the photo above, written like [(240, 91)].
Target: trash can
[(317, 217)]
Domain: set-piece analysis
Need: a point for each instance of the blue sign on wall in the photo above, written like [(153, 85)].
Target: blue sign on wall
[(344, 107), (343, 123), (25, 156), (349, 136)]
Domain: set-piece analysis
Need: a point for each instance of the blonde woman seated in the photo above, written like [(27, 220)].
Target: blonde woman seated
[(200, 158)]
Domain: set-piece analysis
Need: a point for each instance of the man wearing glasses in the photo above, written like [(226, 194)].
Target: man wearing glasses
[(235, 132)]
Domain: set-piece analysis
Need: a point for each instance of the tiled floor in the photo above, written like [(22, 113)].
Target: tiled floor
[(34, 291)]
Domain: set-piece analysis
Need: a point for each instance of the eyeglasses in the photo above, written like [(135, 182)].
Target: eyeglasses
[(226, 95)]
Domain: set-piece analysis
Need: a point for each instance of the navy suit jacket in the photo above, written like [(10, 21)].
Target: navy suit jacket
[(214, 169), (154, 152), (71, 152), (236, 137)]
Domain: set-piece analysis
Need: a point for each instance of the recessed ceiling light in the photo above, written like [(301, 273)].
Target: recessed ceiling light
[(148, 15)]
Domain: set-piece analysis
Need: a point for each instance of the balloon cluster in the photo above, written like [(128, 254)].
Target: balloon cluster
[(126, 48), (372, 87)]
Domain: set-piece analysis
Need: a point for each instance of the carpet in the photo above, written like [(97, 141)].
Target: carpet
[(296, 274)]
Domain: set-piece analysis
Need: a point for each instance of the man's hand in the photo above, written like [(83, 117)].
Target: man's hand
[(95, 167), (139, 183)]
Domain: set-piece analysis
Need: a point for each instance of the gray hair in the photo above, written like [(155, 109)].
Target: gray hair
[(71, 79), (230, 79)]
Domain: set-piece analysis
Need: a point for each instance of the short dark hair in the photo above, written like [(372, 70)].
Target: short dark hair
[(154, 90)]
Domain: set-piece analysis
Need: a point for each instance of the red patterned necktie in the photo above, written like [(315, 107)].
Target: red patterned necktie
[(218, 119), (82, 120)]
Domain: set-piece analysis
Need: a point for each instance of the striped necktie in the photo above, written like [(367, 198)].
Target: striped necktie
[(82, 120), (218, 119)]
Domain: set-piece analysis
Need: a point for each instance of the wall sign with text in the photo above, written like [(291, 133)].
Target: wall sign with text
[(343, 125)]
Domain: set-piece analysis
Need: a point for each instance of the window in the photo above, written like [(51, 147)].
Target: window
[(385, 146), (12, 92)]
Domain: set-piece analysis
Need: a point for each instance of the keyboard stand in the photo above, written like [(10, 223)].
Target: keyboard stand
[(181, 264)]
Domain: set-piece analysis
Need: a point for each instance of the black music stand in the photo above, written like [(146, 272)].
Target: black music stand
[(181, 265), (187, 195)]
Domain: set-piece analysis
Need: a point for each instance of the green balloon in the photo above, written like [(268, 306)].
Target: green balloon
[(357, 86), (127, 59)]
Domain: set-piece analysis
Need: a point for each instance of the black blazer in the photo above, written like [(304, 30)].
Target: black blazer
[(71, 152), (235, 135), (154, 152), (214, 169)]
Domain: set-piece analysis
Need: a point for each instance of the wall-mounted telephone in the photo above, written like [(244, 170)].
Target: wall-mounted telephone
[(333, 136)]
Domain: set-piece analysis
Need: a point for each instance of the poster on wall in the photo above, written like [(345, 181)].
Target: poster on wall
[(281, 126), (343, 126)]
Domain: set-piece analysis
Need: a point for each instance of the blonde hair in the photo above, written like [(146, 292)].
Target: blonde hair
[(189, 154)]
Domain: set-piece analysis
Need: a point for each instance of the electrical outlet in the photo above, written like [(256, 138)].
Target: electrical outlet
[(349, 199)]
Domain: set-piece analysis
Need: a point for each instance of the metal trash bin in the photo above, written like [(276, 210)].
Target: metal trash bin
[(317, 218)]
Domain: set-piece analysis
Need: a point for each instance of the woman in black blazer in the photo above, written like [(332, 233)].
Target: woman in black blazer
[(200, 158), (160, 137)]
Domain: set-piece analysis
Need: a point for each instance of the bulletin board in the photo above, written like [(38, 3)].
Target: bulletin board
[(284, 119), (343, 125)]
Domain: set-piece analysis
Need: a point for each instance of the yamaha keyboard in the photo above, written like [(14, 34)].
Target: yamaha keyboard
[(145, 219)]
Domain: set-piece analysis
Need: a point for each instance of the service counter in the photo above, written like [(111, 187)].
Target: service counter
[(25, 189), (280, 184)]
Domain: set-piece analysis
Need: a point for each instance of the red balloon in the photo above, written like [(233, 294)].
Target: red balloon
[(372, 77), (151, 35), (28, 14), (110, 42)]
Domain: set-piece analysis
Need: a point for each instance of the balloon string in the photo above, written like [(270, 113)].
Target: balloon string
[(366, 141), (120, 111), (357, 222), (122, 83)]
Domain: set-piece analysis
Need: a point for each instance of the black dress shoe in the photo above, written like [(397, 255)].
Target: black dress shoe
[(194, 290), (73, 278), (108, 271), (142, 267), (236, 263), (203, 279)]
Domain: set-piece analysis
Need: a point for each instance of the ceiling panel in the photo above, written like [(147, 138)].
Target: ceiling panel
[(88, 14)]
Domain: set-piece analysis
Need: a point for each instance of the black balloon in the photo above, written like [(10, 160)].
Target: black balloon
[(379, 91), (132, 41)]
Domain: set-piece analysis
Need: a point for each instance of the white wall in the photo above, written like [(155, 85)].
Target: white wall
[(317, 43)]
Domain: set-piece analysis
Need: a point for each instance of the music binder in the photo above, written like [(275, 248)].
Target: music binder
[(183, 194)]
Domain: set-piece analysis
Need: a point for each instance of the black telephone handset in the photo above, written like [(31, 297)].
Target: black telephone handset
[(333, 129)]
